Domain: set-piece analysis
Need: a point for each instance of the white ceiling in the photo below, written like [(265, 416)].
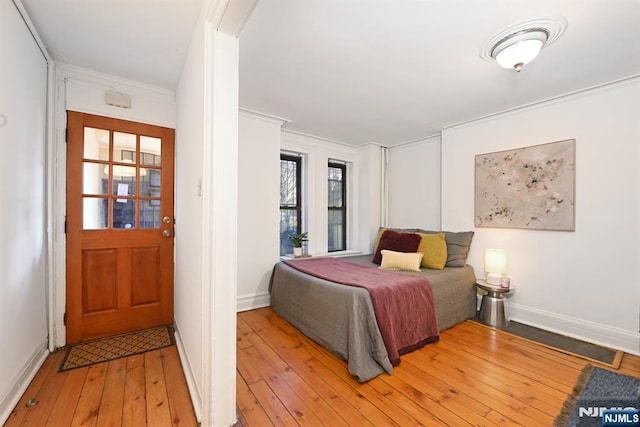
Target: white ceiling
[(142, 40), (357, 71), (392, 71)]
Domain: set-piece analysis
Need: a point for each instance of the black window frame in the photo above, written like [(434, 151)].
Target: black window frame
[(298, 207), (343, 167)]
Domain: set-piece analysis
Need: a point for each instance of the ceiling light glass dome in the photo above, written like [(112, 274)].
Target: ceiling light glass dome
[(516, 46)]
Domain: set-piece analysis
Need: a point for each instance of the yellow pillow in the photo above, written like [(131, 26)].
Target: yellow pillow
[(377, 241), (434, 248), (409, 261)]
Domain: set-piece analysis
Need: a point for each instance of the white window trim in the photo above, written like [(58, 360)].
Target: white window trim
[(316, 154)]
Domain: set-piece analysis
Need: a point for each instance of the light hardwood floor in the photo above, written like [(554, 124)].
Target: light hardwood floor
[(144, 390), (474, 375)]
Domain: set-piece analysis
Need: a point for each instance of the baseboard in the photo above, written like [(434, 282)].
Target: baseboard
[(251, 302), (22, 381), (592, 332), (196, 397)]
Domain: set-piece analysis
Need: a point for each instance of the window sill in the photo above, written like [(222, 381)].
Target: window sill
[(338, 254)]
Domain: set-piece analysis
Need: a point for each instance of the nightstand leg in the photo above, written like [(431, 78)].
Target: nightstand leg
[(492, 311)]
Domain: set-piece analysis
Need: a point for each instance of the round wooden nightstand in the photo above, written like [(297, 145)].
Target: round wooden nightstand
[(492, 310)]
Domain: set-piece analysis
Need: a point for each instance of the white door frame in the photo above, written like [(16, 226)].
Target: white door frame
[(82, 90), (224, 19)]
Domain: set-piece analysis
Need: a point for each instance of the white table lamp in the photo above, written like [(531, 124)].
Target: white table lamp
[(495, 265)]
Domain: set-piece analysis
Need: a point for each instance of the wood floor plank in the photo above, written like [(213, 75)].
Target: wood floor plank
[(68, 397), (421, 416), (275, 409), (179, 402), (134, 408), (630, 365), (279, 322), (256, 320), (441, 413), (111, 393), (560, 378), (158, 413), (242, 330), (250, 410), (308, 409), (366, 400), (112, 401), (502, 373), (247, 369), (89, 404), (473, 376), (296, 357), (447, 395), (351, 392)]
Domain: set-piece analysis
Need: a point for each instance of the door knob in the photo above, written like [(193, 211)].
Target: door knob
[(166, 233)]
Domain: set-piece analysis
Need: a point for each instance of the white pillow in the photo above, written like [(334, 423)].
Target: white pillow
[(408, 261)]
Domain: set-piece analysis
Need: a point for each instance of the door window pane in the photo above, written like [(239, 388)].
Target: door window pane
[(124, 180), (130, 164), (150, 150), (149, 213), (96, 144), (149, 182), (94, 213), (95, 178), (124, 213), (124, 142)]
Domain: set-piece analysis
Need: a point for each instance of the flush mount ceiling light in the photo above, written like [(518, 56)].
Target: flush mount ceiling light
[(519, 44)]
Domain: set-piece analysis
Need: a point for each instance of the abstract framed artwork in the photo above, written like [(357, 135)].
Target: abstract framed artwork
[(531, 187)]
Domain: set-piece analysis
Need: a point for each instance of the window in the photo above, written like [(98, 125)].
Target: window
[(290, 200), (337, 207)]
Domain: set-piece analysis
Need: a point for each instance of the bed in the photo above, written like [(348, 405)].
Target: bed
[(342, 318)]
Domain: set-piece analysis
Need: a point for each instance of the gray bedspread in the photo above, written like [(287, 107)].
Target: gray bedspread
[(341, 318)]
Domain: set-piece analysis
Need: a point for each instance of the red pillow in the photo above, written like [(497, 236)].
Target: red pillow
[(399, 242)]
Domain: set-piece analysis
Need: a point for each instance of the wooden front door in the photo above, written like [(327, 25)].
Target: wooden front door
[(119, 226)]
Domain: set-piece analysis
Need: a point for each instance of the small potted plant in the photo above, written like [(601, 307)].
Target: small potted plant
[(297, 239)]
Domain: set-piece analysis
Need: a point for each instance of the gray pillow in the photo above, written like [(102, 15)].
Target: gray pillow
[(458, 244)]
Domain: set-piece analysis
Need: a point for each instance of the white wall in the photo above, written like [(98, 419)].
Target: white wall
[(258, 206), (584, 283), (370, 198), (261, 142), (220, 215), (207, 213), (188, 295), (23, 91), (85, 92), (414, 185)]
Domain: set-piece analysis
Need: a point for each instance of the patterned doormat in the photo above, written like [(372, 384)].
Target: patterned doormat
[(105, 349)]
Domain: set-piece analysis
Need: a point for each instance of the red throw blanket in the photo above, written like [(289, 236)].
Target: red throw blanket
[(403, 303)]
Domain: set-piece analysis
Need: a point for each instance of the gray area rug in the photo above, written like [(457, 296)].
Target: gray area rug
[(598, 389)]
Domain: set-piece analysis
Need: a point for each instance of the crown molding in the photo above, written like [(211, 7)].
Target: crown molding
[(32, 29), (262, 116)]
